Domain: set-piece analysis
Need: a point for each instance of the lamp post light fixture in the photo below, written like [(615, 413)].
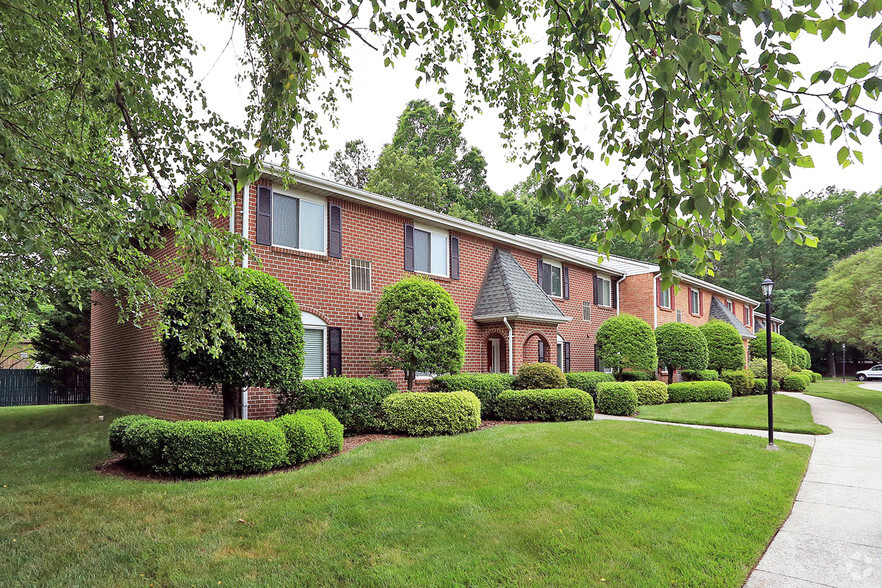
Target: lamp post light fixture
[(767, 286), (843, 363)]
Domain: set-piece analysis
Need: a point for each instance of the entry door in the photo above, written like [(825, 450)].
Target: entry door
[(495, 356)]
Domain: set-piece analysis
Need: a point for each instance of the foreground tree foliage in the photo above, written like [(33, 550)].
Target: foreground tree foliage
[(846, 305), (106, 136), (626, 342), (263, 347), (680, 347)]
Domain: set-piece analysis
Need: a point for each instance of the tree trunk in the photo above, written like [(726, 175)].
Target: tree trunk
[(831, 361), (232, 407), (670, 375), (409, 375)]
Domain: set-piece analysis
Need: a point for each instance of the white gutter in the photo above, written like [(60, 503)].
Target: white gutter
[(246, 192), (618, 295), (233, 207), (492, 318), (245, 402), (655, 300), (510, 345)]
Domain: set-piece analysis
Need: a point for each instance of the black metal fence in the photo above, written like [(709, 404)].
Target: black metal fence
[(30, 387)]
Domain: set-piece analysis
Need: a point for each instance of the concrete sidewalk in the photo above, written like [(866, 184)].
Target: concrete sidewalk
[(833, 536)]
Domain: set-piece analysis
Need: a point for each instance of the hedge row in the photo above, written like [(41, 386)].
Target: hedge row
[(654, 392), (794, 382), (485, 386), (616, 398), (699, 392), (565, 404), (759, 386), (421, 413), (637, 376), (356, 402), (700, 375), (741, 381), (204, 448), (587, 381)]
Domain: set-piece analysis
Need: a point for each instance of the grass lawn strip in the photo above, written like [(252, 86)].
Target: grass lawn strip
[(556, 503), (792, 415), (850, 392)]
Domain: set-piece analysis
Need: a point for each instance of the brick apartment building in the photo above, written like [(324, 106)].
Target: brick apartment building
[(522, 299)]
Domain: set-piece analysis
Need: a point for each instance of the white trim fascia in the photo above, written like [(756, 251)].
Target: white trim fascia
[(487, 318)]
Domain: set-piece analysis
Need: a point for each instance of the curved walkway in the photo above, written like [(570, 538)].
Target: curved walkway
[(833, 536)]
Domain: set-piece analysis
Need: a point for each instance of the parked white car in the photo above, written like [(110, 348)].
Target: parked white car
[(873, 372)]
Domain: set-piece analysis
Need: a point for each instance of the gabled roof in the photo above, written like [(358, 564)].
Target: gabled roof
[(720, 311), (509, 291), (612, 264)]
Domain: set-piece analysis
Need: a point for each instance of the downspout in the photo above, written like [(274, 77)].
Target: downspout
[(618, 295), (510, 345), (655, 301), (245, 192)]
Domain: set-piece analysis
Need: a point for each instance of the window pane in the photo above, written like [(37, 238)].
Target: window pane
[(560, 355), (605, 292), (313, 353), (312, 226), (439, 254), (285, 221), (555, 281), (421, 251)]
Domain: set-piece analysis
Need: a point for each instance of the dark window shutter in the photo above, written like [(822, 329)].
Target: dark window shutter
[(566, 282), (613, 293), (335, 232), (673, 299), (264, 234), (541, 351), (454, 258), (335, 351), (408, 248), (540, 278), (596, 359), (658, 292), (596, 290), (566, 361), (546, 278)]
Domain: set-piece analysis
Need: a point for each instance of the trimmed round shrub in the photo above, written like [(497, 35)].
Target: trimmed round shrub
[(796, 369), (699, 392), (794, 383), (741, 381), (759, 386), (725, 350), (567, 404), (144, 441), (779, 369), (537, 376), (627, 342), (356, 402), (420, 413), (485, 386), (117, 429), (305, 437), (680, 347), (616, 398), (815, 376), (700, 375), (805, 358), (650, 392), (637, 376), (781, 348), (805, 376), (333, 428), (587, 381), (203, 448)]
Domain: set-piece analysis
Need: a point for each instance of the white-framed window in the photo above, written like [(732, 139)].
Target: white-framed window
[(604, 291), (299, 221), (560, 352), (586, 311), (360, 275), (679, 316), (731, 306), (748, 316), (694, 301), (664, 298), (315, 346), (552, 281), (431, 252)]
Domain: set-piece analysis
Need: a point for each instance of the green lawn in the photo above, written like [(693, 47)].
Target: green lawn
[(536, 504), (849, 392), (792, 415)]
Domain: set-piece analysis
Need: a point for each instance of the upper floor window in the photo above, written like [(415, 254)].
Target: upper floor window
[(551, 278), (748, 315), (586, 311), (604, 291), (731, 306), (664, 298), (694, 301), (430, 251), (298, 222)]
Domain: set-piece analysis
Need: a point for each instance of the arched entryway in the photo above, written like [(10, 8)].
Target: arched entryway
[(537, 349)]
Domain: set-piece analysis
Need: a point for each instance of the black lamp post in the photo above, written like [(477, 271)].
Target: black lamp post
[(843, 363), (767, 292)]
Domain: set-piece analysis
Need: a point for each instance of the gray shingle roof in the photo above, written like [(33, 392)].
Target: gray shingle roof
[(509, 291), (720, 311)]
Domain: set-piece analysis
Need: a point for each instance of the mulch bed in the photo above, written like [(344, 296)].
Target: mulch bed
[(119, 467)]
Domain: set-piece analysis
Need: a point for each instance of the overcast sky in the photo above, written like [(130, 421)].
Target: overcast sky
[(380, 94)]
